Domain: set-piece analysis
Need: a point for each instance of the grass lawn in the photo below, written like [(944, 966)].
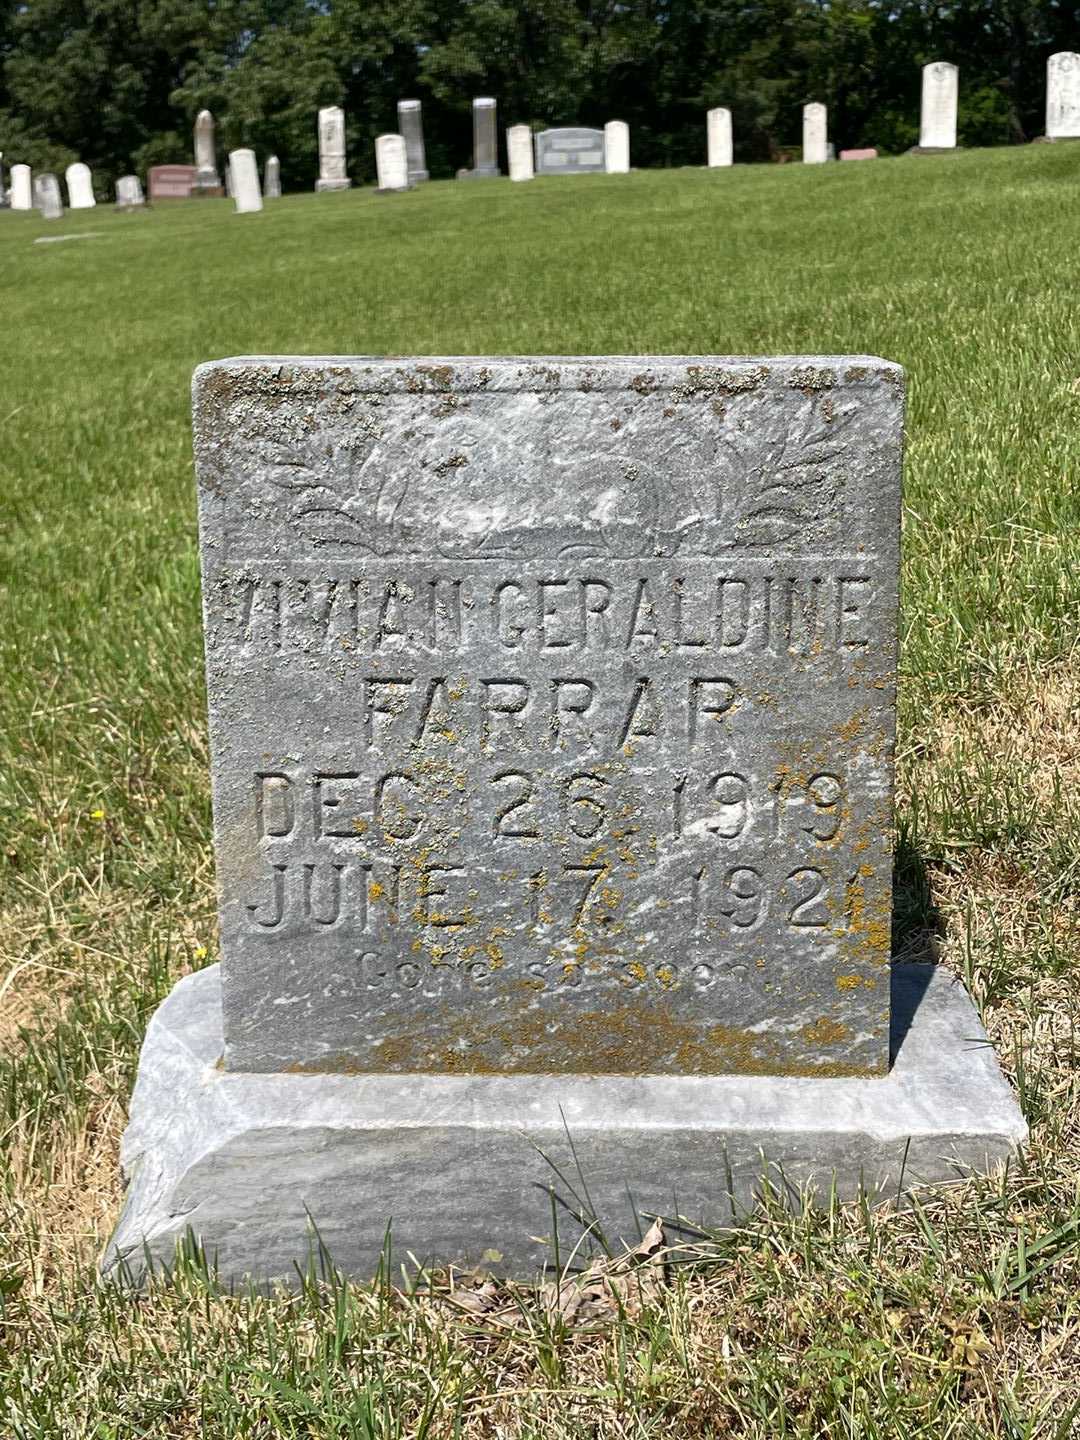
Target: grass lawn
[(958, 1318)]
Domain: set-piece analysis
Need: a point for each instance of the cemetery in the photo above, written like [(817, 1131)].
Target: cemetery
[(540, 781)]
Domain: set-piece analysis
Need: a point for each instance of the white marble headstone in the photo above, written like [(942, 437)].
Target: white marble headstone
[(391, 163), (617, 147), (411, 126), (245, 181), (129, 191), (332, 174), (22, 193), (519, 152), (937, 121), (272, 179), (206, 174), (815, 138), (80, 186), (718, 129), (1063, 96), (47, 197)]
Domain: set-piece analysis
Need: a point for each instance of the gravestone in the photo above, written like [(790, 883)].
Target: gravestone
[(551, 715), (485, 140), (815, 142), (519, 152), (391, 163), (617, 147), (332, 174), (22, 195), (80, 186), (411, 125), (3, 189), (47, 196), (129, 192), (572, 150), (207, 180), (718, 132), (1063, 96), (272, 178), (244, 171), (937, 116), (866, 153), (170, 182)]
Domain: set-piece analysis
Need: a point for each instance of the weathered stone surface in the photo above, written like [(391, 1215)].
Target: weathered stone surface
[(80, 186), (332, 174), (272, 178), (244, 174), (573, 150), (248, 1162), (391, 162), (485, 139), (207, 181), (129, 192), (411, 125), (22, 193), (519, 152), (617, 147), (937, 117), (171, 182), (552, 711), (1063, 96), (815, 139), (718, 133), (47, 196)]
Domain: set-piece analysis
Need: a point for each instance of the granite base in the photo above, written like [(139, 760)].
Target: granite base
[(466, 1168), (321, 185)]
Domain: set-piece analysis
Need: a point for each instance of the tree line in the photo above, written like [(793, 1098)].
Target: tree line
[(118, 83)]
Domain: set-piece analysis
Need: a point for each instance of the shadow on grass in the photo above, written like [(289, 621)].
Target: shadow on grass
[(917, 933)]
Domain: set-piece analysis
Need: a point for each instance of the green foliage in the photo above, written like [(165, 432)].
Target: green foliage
[(119, 82)]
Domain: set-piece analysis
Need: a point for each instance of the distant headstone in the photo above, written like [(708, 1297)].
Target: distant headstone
[(572, 150), (3, 190), (245, 181), (1063, 96), (411, 125), (552, 727), (170, 182), (207, 180), (519, 152), (485, 164), (868, 153), (617, 147), (22, 194), (718, 131), (272, 178), (937, 119), (80, 186), (229, 187), (332, 175), (129, 192), (815, 138), (47, 196), (391, 163)]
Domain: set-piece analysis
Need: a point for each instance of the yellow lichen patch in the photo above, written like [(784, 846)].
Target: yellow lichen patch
[(848, 982), (825, 1032)]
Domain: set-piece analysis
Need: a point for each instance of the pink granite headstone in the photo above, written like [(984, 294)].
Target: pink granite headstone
[(868, 154)]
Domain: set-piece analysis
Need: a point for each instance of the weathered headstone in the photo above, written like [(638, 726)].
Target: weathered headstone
[(551, 711), (3, 189), (230, 188), (391, 163), (47, 196), (207, 179), (129, 192), (519, 152), (272, 178), (332, 174), (718, 131), (170, 182), (485, 140), (411, 125), (244, 170), (617, 147), (22, 194), (866, 153), (937, 116), (80, 186), (571, 150), (815, 140), (1063, 96)]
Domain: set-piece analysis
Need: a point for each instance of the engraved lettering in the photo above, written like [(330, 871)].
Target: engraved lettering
[(684, 641), (277, 905), (709, 701), (853, 592), (501, 702), (732, 795), (551, 622), (642, 616), (330, 910), (391, 812), (329, 793), (643, 714), (435, 711), (381, 706), (585, 808), (596, 596), (274, 810), (571, 702), (745, 897), (520, 829), (432, 888), (802, 914), (733, 614), (509, 630)]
